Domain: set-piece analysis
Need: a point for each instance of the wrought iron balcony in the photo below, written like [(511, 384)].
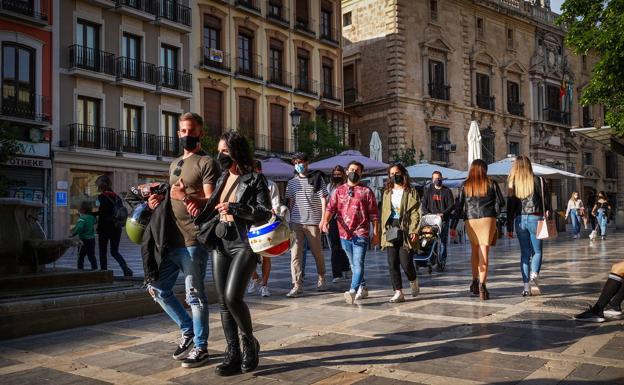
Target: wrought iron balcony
[(216, 59), (277, 12), (172, 10), (485, 101), (148, 6), (556, 116), (350, 95), (22, 104), (248, 4), (279, 77), (305, 25), (306, 85), (174, 79), (168, 146), (439, 91), (94, 137), (136, 70), (515, 108), (329, 33), (91, 59), (330, 92), (249, 66), (36, 9)]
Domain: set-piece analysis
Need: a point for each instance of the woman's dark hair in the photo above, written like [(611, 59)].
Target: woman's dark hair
[(602, 195), (342, 170), (104, 183), (239, 150), (406, 178)]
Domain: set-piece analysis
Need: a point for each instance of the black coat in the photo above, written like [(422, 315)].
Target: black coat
[(532, 205), (154, 244), (488, 206)]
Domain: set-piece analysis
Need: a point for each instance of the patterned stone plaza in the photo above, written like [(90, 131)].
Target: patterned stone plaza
[(443, 336)]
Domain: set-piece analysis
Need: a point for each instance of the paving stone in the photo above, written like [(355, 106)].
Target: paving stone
[(68, 341), (47, 376), (614, 349), (475, 311), (7, 362), (377, 380), (112, 359), (296, 373)]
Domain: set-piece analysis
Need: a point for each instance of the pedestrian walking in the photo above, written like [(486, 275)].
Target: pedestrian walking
[(590, 219), (110, 224), (307, 199), (339, 259), (575, 212), (438, 199), (355, 208), (479, 203), (192, 177), (400, 219), (601, 211), (525, 209), (241, 199), (609, 304), (85, 230)]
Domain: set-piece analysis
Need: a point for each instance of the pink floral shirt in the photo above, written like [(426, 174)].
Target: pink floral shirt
[(355, 208)]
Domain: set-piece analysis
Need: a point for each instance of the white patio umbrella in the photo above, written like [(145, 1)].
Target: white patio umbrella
[(502, 168), (423, 170), (474, 143), (376, 154)]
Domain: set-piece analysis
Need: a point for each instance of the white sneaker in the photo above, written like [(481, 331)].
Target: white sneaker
[(349, 297), (337, 280), (398, 297), (296, 291), (253, 286), (535, 290), (415, 287), (264, 291), (321, 285), (362, 293)]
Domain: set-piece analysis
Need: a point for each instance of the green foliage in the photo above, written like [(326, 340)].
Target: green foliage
[(595, 27), (407, 157), (318, 140)]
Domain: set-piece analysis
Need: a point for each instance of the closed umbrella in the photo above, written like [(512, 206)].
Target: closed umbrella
[(474, 143), (376, 154)]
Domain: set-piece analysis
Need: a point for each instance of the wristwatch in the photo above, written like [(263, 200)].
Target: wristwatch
[(186, 199)]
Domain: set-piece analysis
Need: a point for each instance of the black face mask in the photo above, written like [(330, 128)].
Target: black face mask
[(225, 161), (438, 182), (189, 142), (337, 179), (354, 177), (398, 179)]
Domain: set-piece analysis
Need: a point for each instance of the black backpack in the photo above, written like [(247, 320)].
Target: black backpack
[(120, 212)]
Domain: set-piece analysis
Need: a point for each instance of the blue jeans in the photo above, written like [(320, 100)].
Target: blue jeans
[(576, 222), (526, 230), (444, 240), (356, 251), (602, 221), (191, 261)]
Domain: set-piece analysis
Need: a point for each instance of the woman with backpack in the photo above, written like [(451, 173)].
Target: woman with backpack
[(111, 214)]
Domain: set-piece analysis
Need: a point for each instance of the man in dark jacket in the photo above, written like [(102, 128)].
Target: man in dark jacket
[(438, 199), (192, 177)]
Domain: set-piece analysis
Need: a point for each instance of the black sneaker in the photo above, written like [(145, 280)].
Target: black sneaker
[(590, 315), (186, 344), (197, 357)]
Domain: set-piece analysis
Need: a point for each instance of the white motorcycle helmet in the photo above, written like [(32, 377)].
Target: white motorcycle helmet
[(271, 239)]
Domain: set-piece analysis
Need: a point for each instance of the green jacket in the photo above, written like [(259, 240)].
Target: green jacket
[(410, 217), (85, 227)]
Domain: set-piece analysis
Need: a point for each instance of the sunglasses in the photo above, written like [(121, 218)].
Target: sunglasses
[(178, 169), (350, 192)]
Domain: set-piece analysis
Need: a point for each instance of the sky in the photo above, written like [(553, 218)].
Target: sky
[(555, 5)]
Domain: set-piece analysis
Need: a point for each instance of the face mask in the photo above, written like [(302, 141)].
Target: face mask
[(300, 168), (398, 179), (438, 182), (225, 161), (353, 176), (337, 179), (189, 142)]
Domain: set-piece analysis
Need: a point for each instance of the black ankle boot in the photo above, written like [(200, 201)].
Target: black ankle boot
[(474, 286), (231, 364), (251, 354)]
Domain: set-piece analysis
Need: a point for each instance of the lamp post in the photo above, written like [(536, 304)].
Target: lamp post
[(295, 118)]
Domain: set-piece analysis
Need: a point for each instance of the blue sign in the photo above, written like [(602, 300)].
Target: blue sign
[(61, 198)]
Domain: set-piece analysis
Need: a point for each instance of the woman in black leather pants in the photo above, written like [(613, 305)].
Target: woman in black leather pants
[(241, 199)]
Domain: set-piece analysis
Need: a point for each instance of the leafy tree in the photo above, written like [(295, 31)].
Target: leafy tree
[(318, 140), (407, 157), (596, 27)]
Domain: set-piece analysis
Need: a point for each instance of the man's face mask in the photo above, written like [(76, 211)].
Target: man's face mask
[(189, 142), (353, 176), (300, 168)]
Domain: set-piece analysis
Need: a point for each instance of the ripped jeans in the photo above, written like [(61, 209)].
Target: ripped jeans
[(191, 261)]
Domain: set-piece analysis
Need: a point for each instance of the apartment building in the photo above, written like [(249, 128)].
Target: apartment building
[(256, 61), (26, 105), (124, 80)]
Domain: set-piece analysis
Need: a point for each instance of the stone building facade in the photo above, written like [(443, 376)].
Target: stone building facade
[(418, 72)]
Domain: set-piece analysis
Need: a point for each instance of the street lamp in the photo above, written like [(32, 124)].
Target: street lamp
[(295, 118)]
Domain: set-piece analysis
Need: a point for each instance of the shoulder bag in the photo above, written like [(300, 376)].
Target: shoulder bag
[(546, 228)]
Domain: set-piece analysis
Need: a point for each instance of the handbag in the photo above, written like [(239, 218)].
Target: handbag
[(394, 234), (214, 228), (546, 228)]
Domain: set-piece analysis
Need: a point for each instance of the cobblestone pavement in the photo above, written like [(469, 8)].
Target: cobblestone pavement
[(443, 336)]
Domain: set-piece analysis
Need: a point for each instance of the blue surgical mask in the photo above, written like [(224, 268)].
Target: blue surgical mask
[(299, 168)]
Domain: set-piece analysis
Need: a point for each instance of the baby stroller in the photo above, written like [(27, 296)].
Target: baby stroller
[(429, 243)]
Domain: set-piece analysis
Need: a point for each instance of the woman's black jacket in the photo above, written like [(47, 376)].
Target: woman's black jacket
[(532, 205), (473, 207)]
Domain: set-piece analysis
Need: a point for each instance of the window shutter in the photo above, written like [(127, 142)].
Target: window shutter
[(213, 111), (277, 128), (246, 116), (301, 10)]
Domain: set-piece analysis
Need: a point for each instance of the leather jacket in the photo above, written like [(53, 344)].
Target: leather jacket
[(528, 206), (487, 206)]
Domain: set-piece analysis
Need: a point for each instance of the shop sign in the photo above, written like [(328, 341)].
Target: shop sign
[(19, 161), (34, 149), (61, 198)]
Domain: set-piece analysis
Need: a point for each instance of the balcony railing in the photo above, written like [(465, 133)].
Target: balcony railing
[(168, 146), (149, 6), (439, 91), (250, 67), (34, 9), (91, 59), (515, 108), (306, 85), (331, 92), (305, 25), (277, 12), (174, 11), (174, 79), (279, 77), (485, 101), (557, 116), (328, 33), (95, 137), (139, 71), (105, 138), (350, 95), (24, 104), (216, 59), (248, 4)]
